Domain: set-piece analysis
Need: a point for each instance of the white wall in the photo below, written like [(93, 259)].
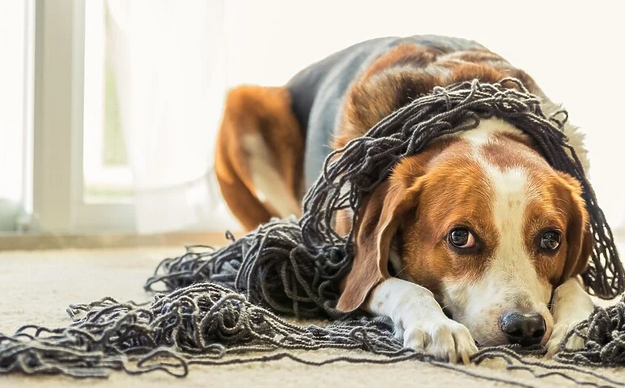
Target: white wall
[(573, 49)]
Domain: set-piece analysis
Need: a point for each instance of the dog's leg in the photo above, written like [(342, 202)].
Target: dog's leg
[(259, 155), (571, 305), (268, 182), (420, 321)]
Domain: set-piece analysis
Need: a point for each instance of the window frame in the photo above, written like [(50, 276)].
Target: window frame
[(20, 208), (58, 187)]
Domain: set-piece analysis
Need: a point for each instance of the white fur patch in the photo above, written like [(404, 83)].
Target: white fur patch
[(485, 131), (420, 321), (269, 186), (512, 264), (510, 282)]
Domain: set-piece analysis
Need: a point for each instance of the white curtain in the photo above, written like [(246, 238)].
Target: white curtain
[(169, 61), (171, 56)]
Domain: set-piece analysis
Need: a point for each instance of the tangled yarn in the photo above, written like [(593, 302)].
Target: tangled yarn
[(270, 267), (221, 304), (200, 323), (604, 338)]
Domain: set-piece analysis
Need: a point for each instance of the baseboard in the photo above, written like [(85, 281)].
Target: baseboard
[(30, 242)]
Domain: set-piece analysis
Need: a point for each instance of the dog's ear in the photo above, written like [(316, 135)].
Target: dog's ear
[(579, 239), (379, 217)]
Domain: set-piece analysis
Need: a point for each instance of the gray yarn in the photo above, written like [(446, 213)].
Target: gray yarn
[(200, 323), (270, 267), (208, 324), (215, 310), (604, 338)]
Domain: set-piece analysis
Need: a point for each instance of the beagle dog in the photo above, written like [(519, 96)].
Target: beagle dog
[(474, 241)]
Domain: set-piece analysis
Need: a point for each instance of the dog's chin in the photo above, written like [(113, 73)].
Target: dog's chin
[(489, 337), (490, 342)]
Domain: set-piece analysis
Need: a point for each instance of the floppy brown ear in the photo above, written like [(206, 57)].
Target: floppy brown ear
[(380, 216), (579, 239)]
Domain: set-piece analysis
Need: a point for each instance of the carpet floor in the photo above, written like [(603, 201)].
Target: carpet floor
[(37, 286)]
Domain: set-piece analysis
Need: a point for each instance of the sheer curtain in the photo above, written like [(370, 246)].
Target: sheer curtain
[(171, 59), (169, 63)]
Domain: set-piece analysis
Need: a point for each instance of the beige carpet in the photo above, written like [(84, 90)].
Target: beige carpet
[(36, 287)]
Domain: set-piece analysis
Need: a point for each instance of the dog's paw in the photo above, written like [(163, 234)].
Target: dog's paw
[(444, 339), (560, 330)]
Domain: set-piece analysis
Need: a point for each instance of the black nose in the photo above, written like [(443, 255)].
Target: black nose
[(524, 329)]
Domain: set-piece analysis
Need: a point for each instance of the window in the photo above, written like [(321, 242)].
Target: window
[(15, 110), (60, 204), (107, 176), (113, 73)]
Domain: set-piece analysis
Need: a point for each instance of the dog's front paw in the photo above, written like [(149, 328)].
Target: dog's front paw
[(444, 339), (560, 330)]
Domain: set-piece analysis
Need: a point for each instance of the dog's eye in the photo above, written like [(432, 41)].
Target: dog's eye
[(461, 238), (550, 240)]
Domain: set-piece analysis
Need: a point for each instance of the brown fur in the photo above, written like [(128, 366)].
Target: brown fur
[(578, 238), (382, 214), (454, 188), (445, 179), (409, 71)]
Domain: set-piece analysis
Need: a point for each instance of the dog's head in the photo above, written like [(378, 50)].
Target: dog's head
[(483, 222)]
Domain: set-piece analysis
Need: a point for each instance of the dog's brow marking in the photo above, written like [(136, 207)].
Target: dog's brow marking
[(512, 262)]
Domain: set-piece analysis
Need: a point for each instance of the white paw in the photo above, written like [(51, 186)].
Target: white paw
[(444, 339), (560, 331)]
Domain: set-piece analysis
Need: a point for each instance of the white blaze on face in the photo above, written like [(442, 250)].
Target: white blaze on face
[(510, 282), (484, 132)]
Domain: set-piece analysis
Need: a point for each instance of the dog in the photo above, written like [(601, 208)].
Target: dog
[(484, 240)]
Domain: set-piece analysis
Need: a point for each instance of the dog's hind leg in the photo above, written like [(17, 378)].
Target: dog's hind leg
[(259, 155)]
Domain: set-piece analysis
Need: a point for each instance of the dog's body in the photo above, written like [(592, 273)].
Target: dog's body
[(478, 223)]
